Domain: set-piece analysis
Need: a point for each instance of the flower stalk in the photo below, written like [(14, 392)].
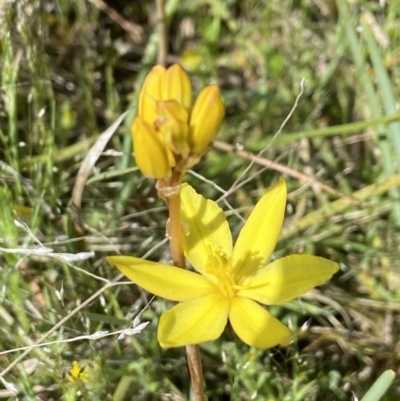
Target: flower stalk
[(196, 372), (175, 229), (175, 233)]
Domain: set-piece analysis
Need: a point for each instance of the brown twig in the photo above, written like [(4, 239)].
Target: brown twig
[(135, 31), (276, 166)]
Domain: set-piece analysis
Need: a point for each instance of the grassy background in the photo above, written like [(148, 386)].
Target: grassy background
[(69, 69)]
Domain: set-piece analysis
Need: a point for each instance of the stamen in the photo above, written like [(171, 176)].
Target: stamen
[(219, 266)]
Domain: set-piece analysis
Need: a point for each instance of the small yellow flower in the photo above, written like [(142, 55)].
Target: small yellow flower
[(77, 373), (166, 130), (85, 372), (233, 281)]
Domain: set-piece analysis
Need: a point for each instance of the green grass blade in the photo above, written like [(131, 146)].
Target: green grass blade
[(342, 129), (356, 49), (385, 88), (380, 387)]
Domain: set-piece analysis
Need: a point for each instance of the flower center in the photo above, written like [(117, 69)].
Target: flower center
[(219, 266)]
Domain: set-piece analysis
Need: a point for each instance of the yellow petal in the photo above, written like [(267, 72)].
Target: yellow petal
[(151, 92), (206, 231), (166, 281), (258, 237), (172, 109), (287, 278), (206, 119), (151, 153), (194, 322), (175, 134), (255, 326), (172, 124), (178, 86)]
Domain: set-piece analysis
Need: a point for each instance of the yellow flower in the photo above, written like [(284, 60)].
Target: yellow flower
[(232, 280), (166, 130), (77, 373), (86, 372)]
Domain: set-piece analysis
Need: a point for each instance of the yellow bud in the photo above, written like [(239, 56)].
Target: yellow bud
[(175, 134), (205, 119), (178, 87), (151, 153), (172, 109), (151, 92), (172, 123)]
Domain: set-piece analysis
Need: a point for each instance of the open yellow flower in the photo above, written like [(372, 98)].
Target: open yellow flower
[(77, 373), (166, 129), (232, 280), (85, 373)]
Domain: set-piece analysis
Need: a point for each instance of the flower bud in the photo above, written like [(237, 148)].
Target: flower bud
[(178, 87), (172, 109), (205, 119), (172, 124), (175, 134), (151, 92), (151, 153)]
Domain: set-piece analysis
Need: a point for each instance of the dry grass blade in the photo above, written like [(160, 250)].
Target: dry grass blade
[(85, 169)]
